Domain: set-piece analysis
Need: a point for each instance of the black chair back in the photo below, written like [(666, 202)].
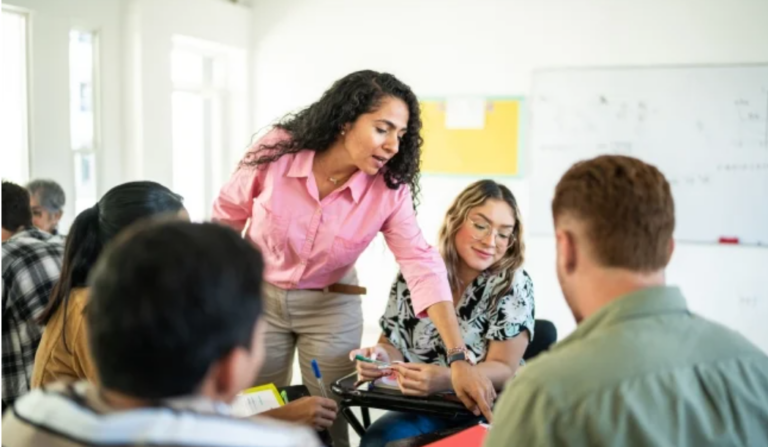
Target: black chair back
[(545, 335)]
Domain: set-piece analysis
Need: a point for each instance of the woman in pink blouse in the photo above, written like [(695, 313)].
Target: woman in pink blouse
[(317, 188)]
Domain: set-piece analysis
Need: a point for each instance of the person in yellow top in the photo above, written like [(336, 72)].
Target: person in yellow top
[(63, 351)]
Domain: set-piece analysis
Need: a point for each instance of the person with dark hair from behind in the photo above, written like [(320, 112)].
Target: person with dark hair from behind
[(63, 353), (31, 264), (176, 333), (47, 200), (640, 369)]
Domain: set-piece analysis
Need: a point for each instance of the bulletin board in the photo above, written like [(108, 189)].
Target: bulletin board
[(490, 150)]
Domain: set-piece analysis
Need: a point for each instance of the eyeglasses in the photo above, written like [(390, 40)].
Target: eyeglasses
[(480, 231)]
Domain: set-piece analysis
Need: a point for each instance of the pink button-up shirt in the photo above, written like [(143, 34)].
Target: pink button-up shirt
[(309, 243)]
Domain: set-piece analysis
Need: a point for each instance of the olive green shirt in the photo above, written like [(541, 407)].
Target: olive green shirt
[(642, 371)]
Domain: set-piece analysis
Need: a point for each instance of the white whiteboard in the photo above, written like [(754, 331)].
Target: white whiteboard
[(705, 128)]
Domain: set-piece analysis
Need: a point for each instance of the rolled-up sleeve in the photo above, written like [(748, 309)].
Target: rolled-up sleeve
[(421, 264)]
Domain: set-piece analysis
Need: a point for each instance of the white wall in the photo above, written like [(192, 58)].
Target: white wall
[(149, 28), (488, 47)]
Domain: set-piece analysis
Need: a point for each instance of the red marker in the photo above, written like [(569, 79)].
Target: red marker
[(729, 240)]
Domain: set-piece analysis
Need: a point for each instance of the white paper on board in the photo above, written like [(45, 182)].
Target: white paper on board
[(465, 113)]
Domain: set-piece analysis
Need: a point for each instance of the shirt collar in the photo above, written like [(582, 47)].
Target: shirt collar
[(195, 404), (648, 302), (356, 185), (301, 167), (31, 232)]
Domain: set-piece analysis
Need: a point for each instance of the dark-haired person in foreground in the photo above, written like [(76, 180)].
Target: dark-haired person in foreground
[(31, 264), (317, 189), (63, 353), (640, 369), (176, 333)]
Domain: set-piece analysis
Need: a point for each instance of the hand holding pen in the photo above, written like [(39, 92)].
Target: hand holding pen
[(372, 362), (319, 377)]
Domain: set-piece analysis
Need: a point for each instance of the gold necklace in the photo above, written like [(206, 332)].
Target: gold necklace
[(333, 180)]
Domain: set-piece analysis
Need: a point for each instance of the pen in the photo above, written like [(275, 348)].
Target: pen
[(379, 363), (319, 378)]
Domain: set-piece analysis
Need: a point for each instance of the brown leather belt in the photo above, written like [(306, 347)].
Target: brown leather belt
[(344, 289)]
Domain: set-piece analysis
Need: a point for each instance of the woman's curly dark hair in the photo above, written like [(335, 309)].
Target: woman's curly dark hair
[(318, 126)]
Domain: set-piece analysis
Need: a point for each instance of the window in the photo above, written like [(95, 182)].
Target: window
[(191, 123), (208, 84), (83, 115), (14, 149)]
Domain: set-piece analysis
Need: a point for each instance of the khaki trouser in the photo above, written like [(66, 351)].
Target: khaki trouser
[(323, 326)]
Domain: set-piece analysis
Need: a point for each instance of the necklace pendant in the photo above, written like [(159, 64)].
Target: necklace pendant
[(333, 180)]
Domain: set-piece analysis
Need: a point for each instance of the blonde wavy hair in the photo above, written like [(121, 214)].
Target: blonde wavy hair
[(473, 196)]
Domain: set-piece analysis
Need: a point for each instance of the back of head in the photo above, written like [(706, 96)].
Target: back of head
[(49, 193), (625, 207), (120, 207), (16, 211), (167, 301)]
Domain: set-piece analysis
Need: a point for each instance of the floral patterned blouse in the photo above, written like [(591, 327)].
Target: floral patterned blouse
[(479, 321)]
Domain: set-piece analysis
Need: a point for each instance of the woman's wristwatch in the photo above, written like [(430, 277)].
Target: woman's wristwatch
[(457, 354)]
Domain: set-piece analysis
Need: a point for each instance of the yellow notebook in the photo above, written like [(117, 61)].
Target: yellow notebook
[(256, 400)]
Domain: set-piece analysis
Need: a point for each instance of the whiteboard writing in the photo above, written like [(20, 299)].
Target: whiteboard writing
[(705, 128)]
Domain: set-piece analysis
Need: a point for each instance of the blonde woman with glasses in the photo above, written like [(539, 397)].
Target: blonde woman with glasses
[(481, 243)]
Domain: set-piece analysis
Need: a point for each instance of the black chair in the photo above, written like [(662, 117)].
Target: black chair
[(545, 335), (444, 405)]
